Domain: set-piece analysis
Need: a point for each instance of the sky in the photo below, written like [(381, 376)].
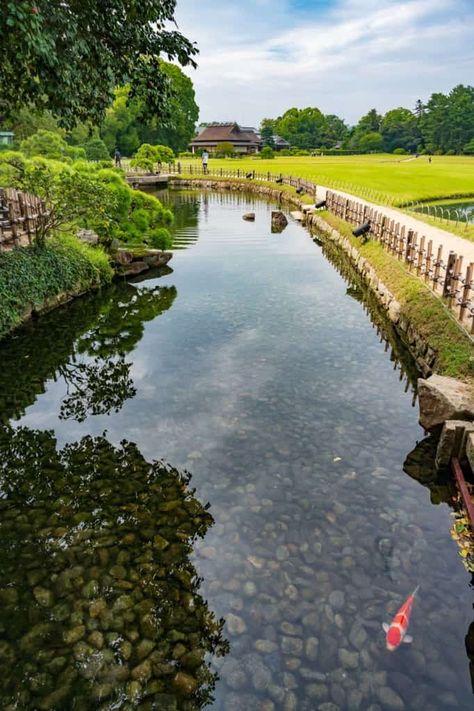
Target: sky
[(258, 58)]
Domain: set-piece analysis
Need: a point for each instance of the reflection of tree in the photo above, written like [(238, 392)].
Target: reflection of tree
[(120, 325), (95, 388), (103, 385), (85, 343), (100, 604)]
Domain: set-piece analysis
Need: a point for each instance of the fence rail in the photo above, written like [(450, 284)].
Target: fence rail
[(20, 217), (442, 273)]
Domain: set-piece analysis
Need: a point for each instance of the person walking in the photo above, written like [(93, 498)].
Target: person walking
[(118, 158), (204, 158)]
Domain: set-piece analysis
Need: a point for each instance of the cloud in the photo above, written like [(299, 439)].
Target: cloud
[(261, 57)]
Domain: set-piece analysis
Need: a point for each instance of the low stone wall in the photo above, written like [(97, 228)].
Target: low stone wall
[(264, 191)]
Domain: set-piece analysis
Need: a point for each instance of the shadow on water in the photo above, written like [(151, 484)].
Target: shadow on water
[(100, 604), (86, 344)]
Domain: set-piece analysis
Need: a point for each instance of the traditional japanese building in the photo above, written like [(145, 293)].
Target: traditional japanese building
[(211, 136)]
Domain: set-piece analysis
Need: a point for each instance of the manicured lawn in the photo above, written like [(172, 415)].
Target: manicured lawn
[(381, 178)]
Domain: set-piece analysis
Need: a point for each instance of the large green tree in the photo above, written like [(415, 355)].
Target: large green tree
[(127, 123), (399, 129), (67, 56), (369, 124), (447, 123), (335, 131), (301, 127)]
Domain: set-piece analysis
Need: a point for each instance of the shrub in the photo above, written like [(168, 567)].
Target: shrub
[(70, 197), (267, 152), (75, 152), (45, 143), (147, 156), (12, 167), (96, 150), (399, 152), (451, 152), (146, 222)]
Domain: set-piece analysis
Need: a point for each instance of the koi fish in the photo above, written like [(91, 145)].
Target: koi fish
[(397, 631)]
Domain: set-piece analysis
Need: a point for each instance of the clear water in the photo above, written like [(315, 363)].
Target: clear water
[(259, 368)]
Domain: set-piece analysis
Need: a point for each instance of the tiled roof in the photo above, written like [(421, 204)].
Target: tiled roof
[(226, 132)]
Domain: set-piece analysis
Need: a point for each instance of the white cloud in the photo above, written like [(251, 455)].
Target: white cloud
[(258, 58)]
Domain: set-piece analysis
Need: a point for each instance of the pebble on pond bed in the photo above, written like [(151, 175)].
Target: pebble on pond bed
[(119, 615)]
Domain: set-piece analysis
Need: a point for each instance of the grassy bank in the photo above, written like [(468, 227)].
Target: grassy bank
[(30, 276), (427, 313), (382, 178)]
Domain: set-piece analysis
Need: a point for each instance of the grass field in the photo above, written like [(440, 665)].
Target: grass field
[(381, 178)]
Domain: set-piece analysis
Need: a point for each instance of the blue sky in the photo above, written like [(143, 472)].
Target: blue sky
[(260, 57)]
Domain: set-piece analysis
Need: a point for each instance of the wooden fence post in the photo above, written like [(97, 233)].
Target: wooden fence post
[(449, 273), (465, 291)]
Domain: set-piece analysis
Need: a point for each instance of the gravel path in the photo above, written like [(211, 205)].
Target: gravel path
[(439, 236)]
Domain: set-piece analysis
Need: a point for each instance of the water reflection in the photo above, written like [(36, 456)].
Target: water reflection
[(85, 345), (100, 604), (359, 290)]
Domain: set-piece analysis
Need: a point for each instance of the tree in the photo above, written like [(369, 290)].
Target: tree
[(45, 143), (267, 130), (448, 121), (399, 128), (371, 142), (469, 147), (67, 56), (127, 125), (335, 131), (68, 195), (27, 121), (368, 124), (267, 152), (302, 128), (419, 109), (147, 156), (177, 129)]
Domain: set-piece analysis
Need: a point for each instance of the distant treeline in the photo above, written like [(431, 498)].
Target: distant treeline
[(445, 124)]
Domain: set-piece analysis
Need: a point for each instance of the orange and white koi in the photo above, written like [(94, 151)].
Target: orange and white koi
[(396, 632)]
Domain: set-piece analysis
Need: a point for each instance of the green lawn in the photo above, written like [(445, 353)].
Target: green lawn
[(381, 178)]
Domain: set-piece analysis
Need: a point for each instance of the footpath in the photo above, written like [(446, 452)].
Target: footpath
[(451, 243)]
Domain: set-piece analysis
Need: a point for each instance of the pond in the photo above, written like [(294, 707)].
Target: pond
[(462, 211), (203, 496)]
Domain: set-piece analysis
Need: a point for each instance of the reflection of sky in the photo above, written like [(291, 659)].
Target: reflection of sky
[(269, 384)]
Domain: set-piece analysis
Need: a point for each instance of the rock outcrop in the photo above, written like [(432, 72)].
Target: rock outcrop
[(442, 398), (131, 262), (279, 221)]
